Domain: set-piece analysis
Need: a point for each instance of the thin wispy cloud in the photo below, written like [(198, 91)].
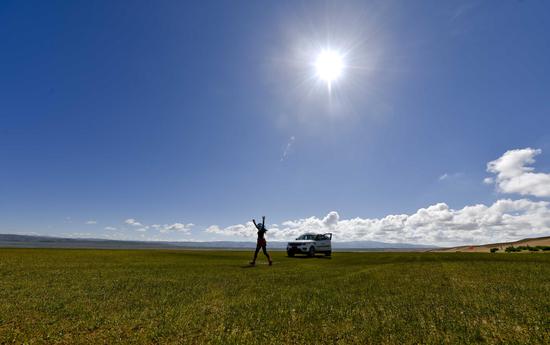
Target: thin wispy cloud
[(288, 148), (450, 176), (91, 222), (464, 9)]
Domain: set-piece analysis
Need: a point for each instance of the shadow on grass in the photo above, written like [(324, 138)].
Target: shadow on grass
[(310, 257)]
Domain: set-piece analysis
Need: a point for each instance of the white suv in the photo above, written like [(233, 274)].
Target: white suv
[(310, 244)]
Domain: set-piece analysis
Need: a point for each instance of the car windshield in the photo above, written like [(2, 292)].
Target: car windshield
[(306, 237)]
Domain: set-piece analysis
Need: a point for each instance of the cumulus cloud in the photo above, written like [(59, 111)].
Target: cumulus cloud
[(181, 228), (437, 224), (241, 230), (514, 175), (132, 222), (176, 227)]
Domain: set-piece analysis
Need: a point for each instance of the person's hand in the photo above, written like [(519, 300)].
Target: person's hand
[(253, 220)]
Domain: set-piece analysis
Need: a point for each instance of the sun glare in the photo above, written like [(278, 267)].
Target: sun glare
[(329, 66)]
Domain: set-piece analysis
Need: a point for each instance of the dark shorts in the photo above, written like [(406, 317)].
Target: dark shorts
[(261, 243)]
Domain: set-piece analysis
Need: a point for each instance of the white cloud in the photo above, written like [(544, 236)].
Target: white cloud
[(450, 176), (240, 230), (132, 222), (288, 147), (437, 224), (110, 228), (488, 180), (161, 228), (513, 175), (91, 222), (176, 227)]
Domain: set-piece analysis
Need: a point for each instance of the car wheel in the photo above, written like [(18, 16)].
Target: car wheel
[(311, 251), (329, 253), (291, 254)]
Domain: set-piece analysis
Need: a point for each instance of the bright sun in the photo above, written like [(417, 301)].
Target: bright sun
[(329, 66)]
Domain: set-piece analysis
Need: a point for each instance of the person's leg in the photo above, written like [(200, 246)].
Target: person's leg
[(253, 262), (264, 249)]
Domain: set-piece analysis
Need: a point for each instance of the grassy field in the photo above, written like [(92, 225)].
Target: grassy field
[(196, 297)]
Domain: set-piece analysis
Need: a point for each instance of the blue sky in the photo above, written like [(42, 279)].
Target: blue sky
[(210, 114)]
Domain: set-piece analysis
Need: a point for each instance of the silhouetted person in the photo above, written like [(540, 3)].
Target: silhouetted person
[(261, 242)]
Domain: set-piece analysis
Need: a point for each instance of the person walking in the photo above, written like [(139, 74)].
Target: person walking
[(261, 242)]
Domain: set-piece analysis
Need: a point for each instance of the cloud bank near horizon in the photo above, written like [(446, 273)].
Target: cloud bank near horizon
[(504, 220)]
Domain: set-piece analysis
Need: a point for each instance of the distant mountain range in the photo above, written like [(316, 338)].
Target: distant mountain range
[(28, 241)]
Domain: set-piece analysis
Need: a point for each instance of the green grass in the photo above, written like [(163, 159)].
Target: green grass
[(197, 297)]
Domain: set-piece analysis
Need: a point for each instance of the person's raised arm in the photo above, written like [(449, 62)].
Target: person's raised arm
[(254, 221), (263, 222)]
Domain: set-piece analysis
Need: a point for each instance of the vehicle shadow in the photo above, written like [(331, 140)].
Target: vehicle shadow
[(310, 257)]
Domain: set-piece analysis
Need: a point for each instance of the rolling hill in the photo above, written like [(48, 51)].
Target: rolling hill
[(485, 248)]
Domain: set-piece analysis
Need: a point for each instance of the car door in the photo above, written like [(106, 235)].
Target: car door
[(322, 243), (328, 242)]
